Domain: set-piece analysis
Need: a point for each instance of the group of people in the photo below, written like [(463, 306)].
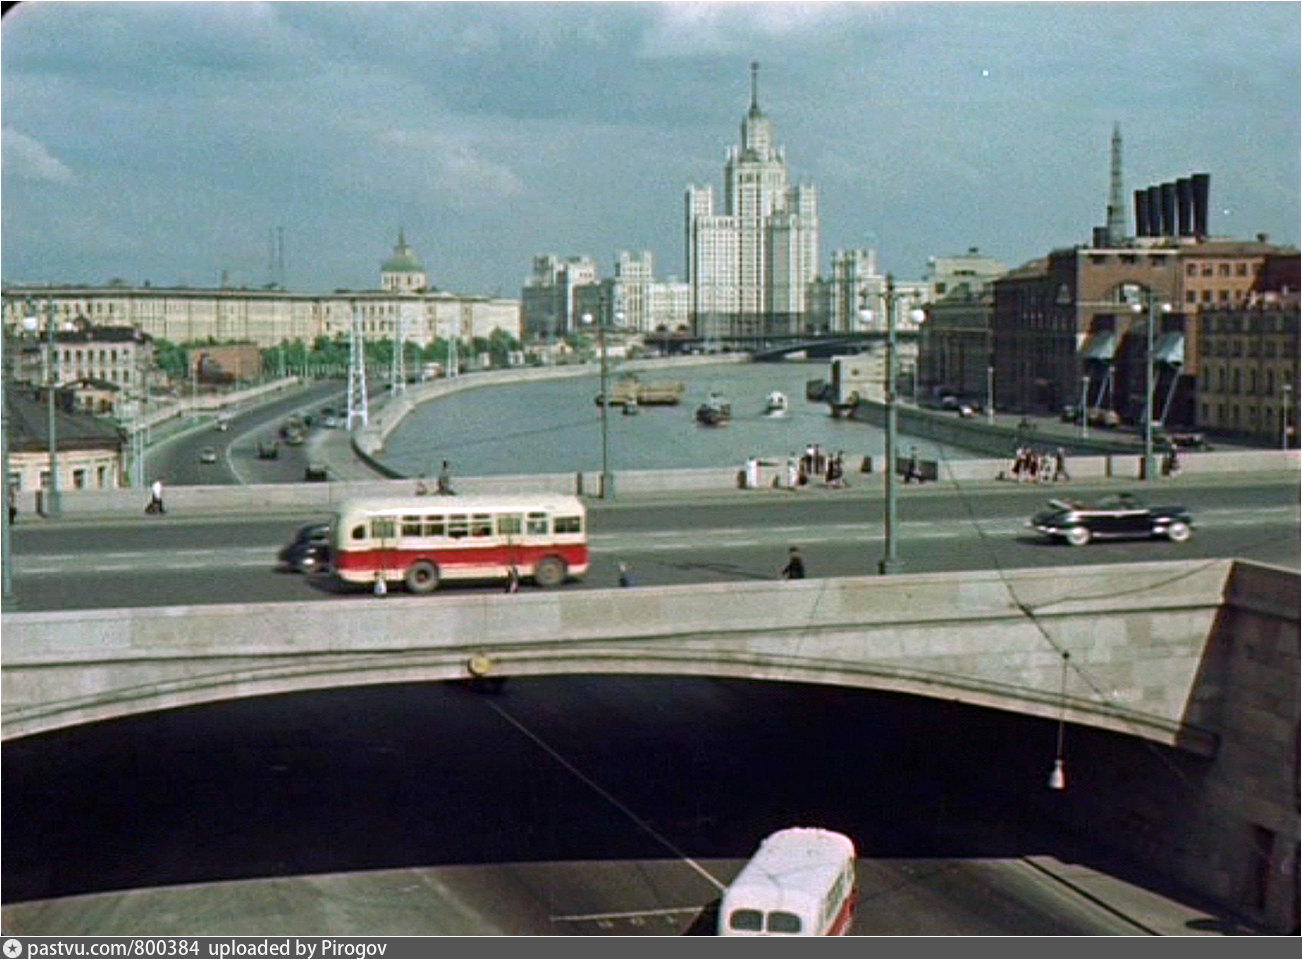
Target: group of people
[(799, 471), (1040, 466)]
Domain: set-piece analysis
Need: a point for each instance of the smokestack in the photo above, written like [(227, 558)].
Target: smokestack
[(1168, 209), (1184, 197), (1141, 213), (1154, 211), (1202, 183)]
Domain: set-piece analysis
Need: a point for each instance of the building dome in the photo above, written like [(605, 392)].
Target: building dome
[(403, 259), (402, 272)]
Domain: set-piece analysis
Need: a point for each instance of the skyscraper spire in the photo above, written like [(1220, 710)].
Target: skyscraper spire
[(1116, 226), (754, 86)]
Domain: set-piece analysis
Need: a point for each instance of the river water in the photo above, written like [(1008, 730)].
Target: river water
[(554, 426)]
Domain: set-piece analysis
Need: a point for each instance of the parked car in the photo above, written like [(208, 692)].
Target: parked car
[(1114, 516), (207, 455), (308, 551)]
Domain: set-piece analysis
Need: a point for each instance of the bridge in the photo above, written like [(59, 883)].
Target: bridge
[(1141, 639), (775, 346)]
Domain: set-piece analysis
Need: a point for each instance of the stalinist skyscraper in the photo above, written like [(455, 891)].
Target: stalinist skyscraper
[(750, 267)]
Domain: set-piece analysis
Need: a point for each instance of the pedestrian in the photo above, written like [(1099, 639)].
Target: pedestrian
[(795, 568), (1171, 464), (445, 480), (156, 498), (512, 579), (625, 575), (1060, 466), (912, 471), (752, 472), (13, 503), (793, 472)]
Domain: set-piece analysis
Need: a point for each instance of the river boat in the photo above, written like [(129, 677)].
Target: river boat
[(630, 389), (850, 381), (776, 404), (715, 411)]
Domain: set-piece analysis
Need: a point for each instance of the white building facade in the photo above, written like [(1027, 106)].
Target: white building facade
[(272, 316)]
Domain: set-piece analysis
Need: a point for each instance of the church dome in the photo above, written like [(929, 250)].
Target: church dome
[(403, 259)]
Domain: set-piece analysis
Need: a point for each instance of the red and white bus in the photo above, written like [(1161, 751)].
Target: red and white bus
[(422, 541), (800, 882)]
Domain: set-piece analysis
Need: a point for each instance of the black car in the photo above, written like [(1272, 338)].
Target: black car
[(308, 551), (1115, 516)]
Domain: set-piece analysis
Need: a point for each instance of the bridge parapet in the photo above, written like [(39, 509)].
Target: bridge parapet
[(1135, 633)]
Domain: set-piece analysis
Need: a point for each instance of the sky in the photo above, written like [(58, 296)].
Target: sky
[(179, 143)]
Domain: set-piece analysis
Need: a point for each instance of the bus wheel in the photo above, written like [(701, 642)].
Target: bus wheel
[(549, 571), (423, 577)]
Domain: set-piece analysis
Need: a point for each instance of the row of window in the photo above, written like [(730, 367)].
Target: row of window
[(1232, 348), (1267, 418), (1198, 268), (1236, 381), (463, 525)]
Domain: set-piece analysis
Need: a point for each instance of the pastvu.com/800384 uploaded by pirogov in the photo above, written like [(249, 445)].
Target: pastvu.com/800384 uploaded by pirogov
[(209, 947)]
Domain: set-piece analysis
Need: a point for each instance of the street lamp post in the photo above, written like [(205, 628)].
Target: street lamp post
[(889, 563), (53, 502), (607, 482), (1083, 410), (1286, 389), (7, 559), (1148, 469), (990, 394)]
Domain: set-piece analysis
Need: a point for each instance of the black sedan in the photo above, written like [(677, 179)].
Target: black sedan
[(308, 551), (1116, 516)]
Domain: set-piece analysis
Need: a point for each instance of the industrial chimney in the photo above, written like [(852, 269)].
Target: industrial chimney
[(1201, 183)]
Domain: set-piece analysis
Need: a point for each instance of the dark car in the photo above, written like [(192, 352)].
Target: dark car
[(308, 551), (1115, 516)]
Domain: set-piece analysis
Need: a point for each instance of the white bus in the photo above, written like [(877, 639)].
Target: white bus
[(422, 541), (800, 882)]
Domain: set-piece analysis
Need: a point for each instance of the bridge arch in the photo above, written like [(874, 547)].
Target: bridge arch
[(1136, 633)]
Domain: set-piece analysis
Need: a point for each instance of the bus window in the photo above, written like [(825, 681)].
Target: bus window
[(569, 524), (509, 524), (411, 526), (359, 531), (458, 526), (746, 920), (481, 524), (434, 526), (537, 524), (382, 527), (784, 923)]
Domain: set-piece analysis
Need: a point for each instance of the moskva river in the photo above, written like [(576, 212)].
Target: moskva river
[(554, 426)]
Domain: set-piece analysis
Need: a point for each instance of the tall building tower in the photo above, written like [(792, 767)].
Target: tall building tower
[(1116, 224), (750, 268)]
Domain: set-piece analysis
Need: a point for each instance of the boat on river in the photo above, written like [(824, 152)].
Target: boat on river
[(629, 389), (715, 411), (776, 404)]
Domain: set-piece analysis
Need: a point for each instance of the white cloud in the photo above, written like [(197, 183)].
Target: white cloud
[(692, 29), (27, 159)]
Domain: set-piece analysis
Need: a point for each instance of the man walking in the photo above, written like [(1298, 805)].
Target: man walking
[(1060, 466), (795, 568), (156, 498)]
